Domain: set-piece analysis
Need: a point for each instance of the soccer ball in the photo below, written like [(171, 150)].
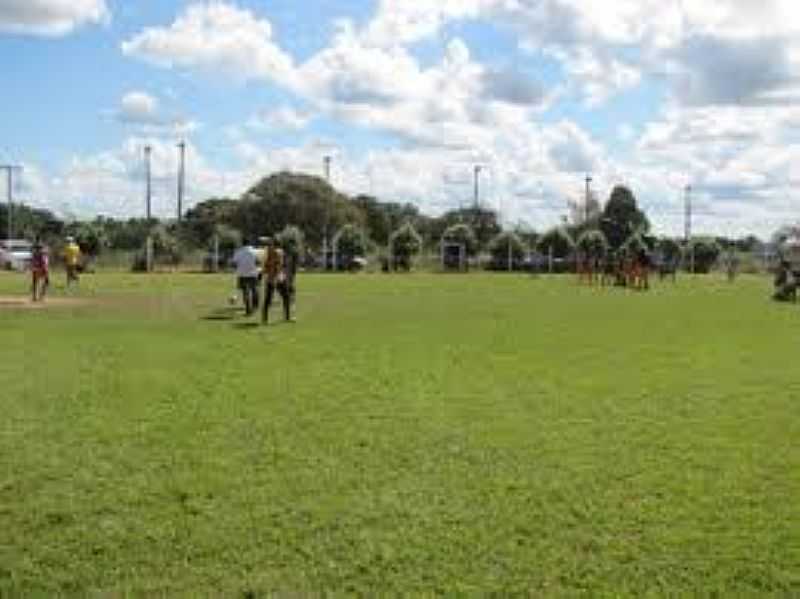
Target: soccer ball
[(233, 299)]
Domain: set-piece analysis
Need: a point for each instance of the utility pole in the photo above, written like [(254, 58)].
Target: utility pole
[(10, 168), (148, 189), (327, 165), (181, 178), (586, 201), (687, 232), (478, 169)]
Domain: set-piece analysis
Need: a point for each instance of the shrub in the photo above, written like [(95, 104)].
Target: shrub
[(406, 243), (706, 252), (593, 244), (559, 241), (499, 249), (464, 235)]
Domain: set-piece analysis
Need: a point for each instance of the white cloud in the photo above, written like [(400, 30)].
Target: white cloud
[(281, 118), (139, 108), (50, 17), (729, 70), (218, 37), (143, 112)]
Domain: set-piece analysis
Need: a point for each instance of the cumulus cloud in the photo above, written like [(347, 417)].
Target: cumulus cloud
[(217, 37), (283, 117), (139, 108), (50, 17), (728, 70)]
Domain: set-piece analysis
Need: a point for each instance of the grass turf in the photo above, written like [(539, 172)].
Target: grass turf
[(419, 434)]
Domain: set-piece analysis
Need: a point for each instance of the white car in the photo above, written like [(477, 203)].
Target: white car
[(15, 254)]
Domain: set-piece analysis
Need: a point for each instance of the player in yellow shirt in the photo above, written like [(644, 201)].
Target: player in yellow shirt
[(72, 260), (275, 277)]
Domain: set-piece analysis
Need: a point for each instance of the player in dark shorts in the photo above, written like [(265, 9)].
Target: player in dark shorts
[(276, 279), (40, 272)]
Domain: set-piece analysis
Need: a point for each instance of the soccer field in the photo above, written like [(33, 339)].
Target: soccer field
[(412, 434)]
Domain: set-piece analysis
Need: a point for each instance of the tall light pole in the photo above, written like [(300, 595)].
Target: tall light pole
[(588, 197), (181, 177), (148, 184), (10, 168), (327, 167), (687, 225), (478, 169)]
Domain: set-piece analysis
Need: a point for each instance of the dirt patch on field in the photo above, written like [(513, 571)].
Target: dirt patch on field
[(24, 303)]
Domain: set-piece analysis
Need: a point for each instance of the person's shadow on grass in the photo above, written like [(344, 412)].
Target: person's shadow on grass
[(222, 314)]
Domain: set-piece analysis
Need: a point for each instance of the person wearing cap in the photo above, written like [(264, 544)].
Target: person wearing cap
[(72, 258), (275, 275), (40, 272)]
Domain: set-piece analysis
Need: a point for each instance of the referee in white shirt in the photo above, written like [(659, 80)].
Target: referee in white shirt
[(247, 271)]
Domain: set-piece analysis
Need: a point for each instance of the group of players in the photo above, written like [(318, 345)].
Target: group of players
[(626, 269), (278, 270), (40, 267)]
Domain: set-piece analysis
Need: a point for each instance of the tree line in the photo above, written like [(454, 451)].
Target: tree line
[(317, 213)]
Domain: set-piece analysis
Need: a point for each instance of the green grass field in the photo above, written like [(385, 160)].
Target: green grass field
[(420, 434)]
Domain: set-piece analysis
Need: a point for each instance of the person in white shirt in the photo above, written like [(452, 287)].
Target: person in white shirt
[(247, 273)]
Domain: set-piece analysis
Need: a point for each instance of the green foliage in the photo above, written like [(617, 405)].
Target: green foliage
[(384, 218), (294, 199), (292, 240), (350, 243), (406, 243), (635, 244), (463, 234), (593, 244), (127, 235), (229, 239), (499, 250), (705, 252), (90, 236), (622, 217), (483, 223), (167, 250), (201, 222), (559, 240), (670, 250), (31, 223)]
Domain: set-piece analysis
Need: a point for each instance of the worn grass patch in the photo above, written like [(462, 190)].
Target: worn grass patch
[(413, 434)]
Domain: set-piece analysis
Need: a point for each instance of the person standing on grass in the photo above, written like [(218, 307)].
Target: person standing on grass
[(275, 275), (72, 259), (290, 260), (40, 272), (247, 273)]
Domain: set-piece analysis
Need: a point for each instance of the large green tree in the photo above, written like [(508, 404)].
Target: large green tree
[(382, 219), (622, 217), (307, 202), (200, 222)]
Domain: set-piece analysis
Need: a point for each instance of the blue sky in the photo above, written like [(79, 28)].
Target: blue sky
[(407, 97)]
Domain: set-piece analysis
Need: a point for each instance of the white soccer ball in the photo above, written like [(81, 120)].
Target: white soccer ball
[(233, 299)]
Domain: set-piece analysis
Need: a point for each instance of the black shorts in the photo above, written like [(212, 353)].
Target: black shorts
[(248, 282)]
